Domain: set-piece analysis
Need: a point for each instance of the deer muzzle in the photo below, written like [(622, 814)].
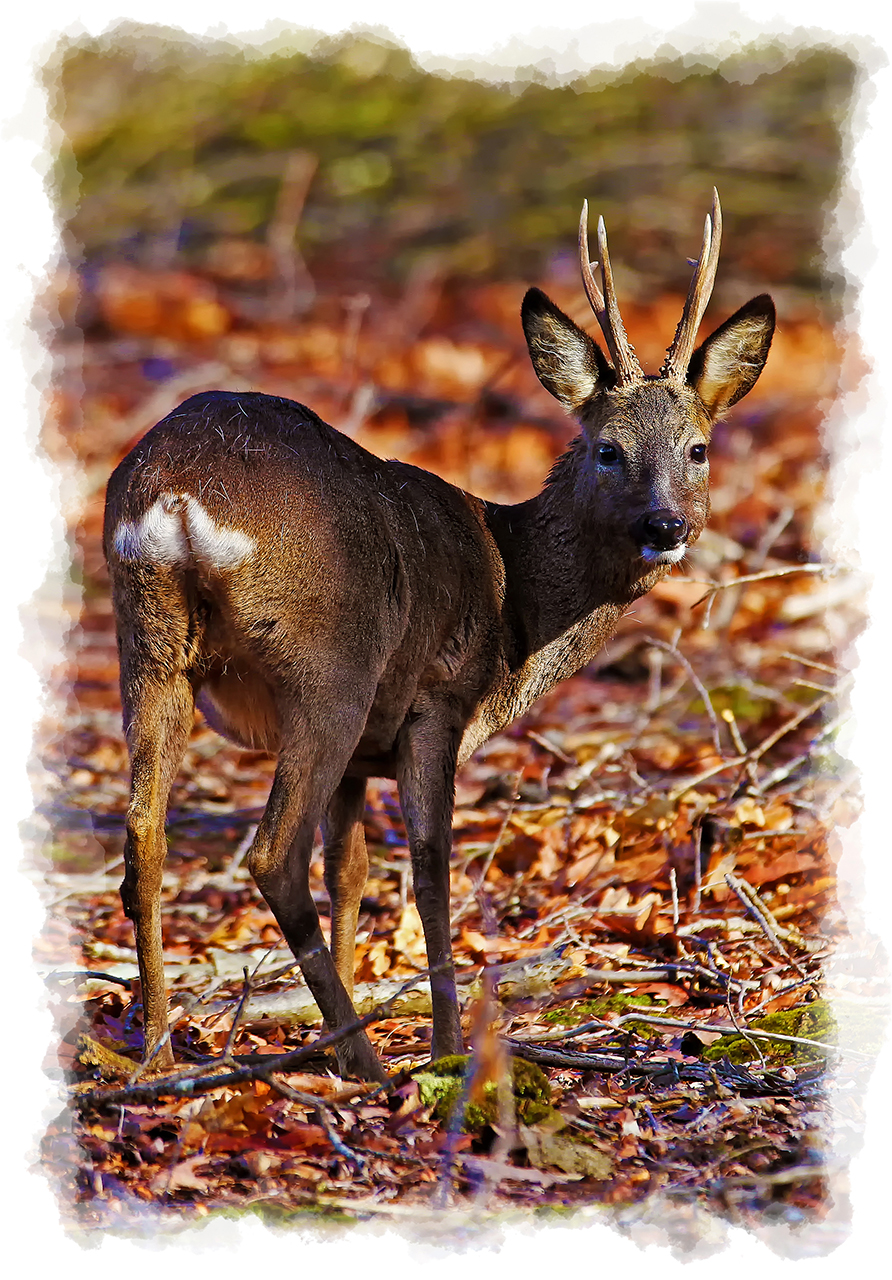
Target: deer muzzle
[(662, 536)]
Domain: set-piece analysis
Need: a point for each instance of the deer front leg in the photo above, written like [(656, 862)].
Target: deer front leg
[(426, 753), (346, 871)]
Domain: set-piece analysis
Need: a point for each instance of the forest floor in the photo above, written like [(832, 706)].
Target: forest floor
[(644, 900)]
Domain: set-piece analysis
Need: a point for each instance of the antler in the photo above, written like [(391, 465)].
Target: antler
[(678, 357), (628, 370)]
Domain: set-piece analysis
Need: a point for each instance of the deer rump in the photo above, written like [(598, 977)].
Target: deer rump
[(365, 618)]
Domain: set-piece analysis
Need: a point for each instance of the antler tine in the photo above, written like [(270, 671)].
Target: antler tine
[(678, 357), (625, 361), (590, 284), (623, 357)]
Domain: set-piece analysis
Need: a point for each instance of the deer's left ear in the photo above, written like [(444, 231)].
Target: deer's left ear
[(727, 365)]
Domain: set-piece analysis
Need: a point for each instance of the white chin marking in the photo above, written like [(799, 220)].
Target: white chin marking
[(652, 556), (176, 529)]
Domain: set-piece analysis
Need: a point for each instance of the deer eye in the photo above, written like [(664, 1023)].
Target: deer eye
[(608, 455), (698, 453)]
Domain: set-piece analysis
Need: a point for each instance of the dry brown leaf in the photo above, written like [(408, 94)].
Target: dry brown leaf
[(787, 864), (408, 936), (182, 1177)]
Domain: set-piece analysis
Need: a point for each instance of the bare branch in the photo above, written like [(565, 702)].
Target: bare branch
[(698, 685), (757, 908)]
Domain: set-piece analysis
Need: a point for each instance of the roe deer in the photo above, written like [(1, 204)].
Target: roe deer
[(364, 618)]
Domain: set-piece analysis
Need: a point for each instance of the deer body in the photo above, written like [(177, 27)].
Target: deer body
[(364, 618)]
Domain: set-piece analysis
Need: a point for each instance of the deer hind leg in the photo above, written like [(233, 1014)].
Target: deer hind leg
[(310, 767), (158, 704), (346, 871), (426, 754)]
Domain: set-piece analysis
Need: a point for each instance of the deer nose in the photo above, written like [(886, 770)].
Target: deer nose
[(662, 530)]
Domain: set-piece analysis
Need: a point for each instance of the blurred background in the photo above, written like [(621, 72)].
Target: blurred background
[(332, 223), (206, 157)]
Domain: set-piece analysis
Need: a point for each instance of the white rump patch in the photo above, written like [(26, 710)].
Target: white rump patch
[(217, 544), (177, 528), (159, 536)]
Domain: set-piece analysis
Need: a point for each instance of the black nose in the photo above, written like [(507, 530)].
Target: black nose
[(662, 530)]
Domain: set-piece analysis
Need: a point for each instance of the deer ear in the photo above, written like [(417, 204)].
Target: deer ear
[(727, 365), (567, 361)]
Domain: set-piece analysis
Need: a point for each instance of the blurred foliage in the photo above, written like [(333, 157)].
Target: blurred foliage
[(171, 145)]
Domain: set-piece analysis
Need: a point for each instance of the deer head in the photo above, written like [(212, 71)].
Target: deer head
[(647, 437)]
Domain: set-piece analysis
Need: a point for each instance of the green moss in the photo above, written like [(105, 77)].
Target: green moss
[(452, 1066), (441, 1085), (588, 1010), (746, 707), (813, 1021)]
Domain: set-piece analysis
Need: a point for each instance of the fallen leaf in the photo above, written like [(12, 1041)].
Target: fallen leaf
[(182, 1176)]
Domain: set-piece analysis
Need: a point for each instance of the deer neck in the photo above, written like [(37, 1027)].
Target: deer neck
[(567, 583), (564, 569)]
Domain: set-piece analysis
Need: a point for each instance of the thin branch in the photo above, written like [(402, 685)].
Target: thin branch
[(86, 975), (532, 1052), (550, 746), (770, 536), (464, 907), (698, 685), (233, 1030), (691, 1025), (692, 783), (757, 908), (782, 1177), (743, 1031), (187, 1084), (673, 884), (755, 753), (789, 725), (698, 869), (323, 1114), (784, 771), (782, 991), (809, 662), (716, 587)]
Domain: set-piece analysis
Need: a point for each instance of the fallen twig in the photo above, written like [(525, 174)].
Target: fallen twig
[(188, 1084), (233, 1030), (546, 1057), (698, 685), (691, 1025), (798, 1173), (324, 1116), (756, 907), (755, 753), (85, 975)]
